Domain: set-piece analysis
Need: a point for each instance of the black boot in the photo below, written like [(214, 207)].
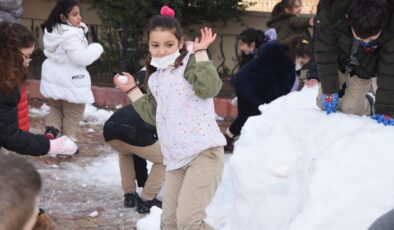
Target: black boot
[(130, 199), (51, 132), (371, 100), (143, 206), (230, 144)]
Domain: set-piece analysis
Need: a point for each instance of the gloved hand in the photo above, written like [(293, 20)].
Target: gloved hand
[(330, 102), (385, 119), (62, 146)]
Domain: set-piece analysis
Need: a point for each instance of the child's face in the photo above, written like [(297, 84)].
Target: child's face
[(74, 17), (26, 53), (163, 43), (296, 9), (301, 61), (246, 48)]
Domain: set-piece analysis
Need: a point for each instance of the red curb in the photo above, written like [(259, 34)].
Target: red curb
[(112, 97)]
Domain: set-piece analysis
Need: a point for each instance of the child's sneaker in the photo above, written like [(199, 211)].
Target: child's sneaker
[(51, 132), (130, 199), (143, 206)]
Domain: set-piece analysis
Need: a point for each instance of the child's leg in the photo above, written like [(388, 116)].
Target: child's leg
[(201, 180), (172, 187), (245, 110), (354, 100), (153, 154), (55, 116), (72, 115), (126, 166)]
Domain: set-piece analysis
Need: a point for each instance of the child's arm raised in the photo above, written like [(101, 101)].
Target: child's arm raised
[(200, 71)]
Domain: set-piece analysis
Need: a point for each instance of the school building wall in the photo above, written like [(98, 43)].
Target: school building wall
[(36, 11)]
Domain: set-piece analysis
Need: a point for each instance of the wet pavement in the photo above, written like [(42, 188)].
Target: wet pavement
[(84, 192)]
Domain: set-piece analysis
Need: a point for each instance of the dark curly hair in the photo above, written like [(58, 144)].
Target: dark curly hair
[(249, 36), (14, 37), (368, 17)]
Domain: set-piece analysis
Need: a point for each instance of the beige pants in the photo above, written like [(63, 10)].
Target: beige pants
[(65, 116), (354, 100), (189, 190), (126, 164)]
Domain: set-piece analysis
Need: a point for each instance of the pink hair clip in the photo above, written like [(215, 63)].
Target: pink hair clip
[(167, 11)]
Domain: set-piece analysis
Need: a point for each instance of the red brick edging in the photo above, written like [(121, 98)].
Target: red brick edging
[(111, 97)]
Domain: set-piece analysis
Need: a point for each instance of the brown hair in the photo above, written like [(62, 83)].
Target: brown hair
[(164, 23), (299, 46), (281, 7), (13, 37), (21, 185)]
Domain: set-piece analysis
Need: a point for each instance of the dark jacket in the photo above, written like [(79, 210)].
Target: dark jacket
[(289, 25), (127, 126), (11, 137), (267, 77), (333, 45)]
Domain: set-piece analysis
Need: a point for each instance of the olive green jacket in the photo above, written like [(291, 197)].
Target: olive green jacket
[(288, 25), (202, 76), (333, 45)]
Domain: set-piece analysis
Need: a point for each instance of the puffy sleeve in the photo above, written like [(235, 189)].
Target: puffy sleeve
[(204, 78), (80, 54), (299, 22), (146, 107)]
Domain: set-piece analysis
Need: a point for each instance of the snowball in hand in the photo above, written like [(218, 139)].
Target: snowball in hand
[(123, 79)]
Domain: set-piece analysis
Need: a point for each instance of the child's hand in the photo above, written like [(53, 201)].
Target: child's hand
[(122, 84), (311, 23), (311, 83), (206, 39)]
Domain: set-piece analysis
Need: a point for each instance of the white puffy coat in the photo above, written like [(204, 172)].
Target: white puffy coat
[(64, 75)]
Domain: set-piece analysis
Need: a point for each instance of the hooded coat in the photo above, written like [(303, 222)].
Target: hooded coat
[(267, 77), (64, 75)]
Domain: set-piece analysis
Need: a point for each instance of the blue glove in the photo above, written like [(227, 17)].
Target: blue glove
[(330, 102), (385, 119)]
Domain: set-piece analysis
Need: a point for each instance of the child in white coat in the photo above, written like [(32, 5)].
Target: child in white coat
[(64, 78)]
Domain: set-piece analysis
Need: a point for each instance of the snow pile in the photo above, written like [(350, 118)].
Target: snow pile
[(39, 112), (92, 114), (151, 221), (103, 171), (95, 116), (295, 168)]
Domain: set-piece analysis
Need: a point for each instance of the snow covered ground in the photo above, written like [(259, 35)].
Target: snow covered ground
[(294, 168)]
